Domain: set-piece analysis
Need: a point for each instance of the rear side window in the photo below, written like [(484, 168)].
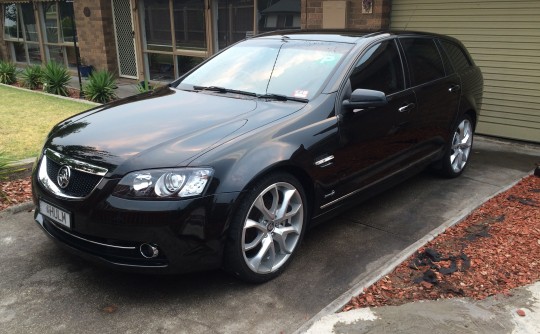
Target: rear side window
[(458, 57), (425, 63), (379, 69)]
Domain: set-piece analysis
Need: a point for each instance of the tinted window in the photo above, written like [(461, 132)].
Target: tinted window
[(425, 63), (457, 55), (379, 69), (448, 68)]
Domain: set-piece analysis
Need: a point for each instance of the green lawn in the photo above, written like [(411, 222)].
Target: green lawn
[(27, 117)]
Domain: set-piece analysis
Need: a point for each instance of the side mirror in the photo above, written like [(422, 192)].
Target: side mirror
[(365, 98)]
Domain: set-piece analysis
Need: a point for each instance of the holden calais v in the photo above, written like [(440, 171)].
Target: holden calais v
[(228, 166)]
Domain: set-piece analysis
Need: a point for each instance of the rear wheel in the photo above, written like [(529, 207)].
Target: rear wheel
[(268, 227), (459, 149)]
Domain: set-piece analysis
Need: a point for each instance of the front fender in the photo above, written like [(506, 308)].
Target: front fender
[(295, 141)]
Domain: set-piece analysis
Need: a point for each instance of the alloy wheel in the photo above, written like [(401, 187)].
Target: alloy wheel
[(272, 228), (461, 146)]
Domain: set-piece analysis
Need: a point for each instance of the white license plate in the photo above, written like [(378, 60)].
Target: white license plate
[(56, 214)]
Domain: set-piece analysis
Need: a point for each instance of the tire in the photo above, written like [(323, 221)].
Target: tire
[(459, 148), (267, 229)]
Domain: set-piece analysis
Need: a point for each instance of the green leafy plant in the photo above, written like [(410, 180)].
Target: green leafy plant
[(8, 73), (32, 77), (55, 79), (100, 87), (144, 87)]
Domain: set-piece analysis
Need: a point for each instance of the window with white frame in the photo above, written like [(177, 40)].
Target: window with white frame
[(58, 32), (54, 35)]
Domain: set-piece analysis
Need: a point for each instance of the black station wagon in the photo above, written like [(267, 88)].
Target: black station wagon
[(231, 163)]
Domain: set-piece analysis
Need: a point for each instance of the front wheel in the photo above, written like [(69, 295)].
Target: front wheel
[(459, 149), (268, 227)]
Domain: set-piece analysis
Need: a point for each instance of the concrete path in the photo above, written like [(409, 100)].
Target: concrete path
[(518, 313), (43, 289)]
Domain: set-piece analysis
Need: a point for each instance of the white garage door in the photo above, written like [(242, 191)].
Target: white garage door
[(504, 39)]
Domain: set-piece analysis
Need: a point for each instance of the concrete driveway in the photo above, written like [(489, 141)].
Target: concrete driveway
[(45, 290)]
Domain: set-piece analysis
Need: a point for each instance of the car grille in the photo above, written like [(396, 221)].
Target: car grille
[(115, 251), (80, 185), (83, 177)]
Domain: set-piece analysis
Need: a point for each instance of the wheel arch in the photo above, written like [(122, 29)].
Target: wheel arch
[(281, 167), (473, 115)]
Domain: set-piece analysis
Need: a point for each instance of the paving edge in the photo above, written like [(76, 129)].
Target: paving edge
[(26, 206), (53, 95), (334, 306)]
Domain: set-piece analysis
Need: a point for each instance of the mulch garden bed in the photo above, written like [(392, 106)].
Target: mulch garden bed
[(16, 189), (495, 249), (72, 92)]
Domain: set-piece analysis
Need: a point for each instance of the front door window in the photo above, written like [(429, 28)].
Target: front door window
[(379, 69)]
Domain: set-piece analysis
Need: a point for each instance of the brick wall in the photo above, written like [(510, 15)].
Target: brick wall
[(379, 19), (312, 14), (96, 34)]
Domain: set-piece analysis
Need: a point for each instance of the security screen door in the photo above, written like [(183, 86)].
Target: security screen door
[(125, 38)]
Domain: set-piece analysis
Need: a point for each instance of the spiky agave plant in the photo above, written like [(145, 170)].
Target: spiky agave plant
[(8, 73), (32, 77), (100, 87), (55, 78)]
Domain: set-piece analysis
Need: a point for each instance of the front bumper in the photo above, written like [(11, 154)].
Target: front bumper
[(188, 234)]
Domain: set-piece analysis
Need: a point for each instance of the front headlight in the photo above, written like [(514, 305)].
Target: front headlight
[(171, 183)]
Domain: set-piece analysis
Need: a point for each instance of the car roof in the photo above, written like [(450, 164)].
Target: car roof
[(343, 36)]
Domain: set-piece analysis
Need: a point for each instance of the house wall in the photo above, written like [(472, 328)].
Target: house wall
[(97, 43), (378, 19)]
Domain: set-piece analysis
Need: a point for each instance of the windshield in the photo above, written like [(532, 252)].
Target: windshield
[(266, 66)]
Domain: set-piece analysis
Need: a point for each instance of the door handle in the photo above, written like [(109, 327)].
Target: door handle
[(454, 89), (407, 108)]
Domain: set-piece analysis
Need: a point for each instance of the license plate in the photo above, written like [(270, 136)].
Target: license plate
[(56, 214)]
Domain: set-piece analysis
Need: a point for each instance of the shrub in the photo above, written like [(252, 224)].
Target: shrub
[(55, 79), (8, 73), (100, 87), (32, 77), (144, 87)]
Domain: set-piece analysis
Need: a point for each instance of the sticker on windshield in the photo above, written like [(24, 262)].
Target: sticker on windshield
[(329, 59), (301, 93)]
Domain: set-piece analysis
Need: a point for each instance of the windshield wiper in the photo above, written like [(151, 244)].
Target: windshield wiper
[(223, 90), (280, 97)]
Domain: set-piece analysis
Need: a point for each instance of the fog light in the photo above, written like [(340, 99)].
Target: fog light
[(149, 251)]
